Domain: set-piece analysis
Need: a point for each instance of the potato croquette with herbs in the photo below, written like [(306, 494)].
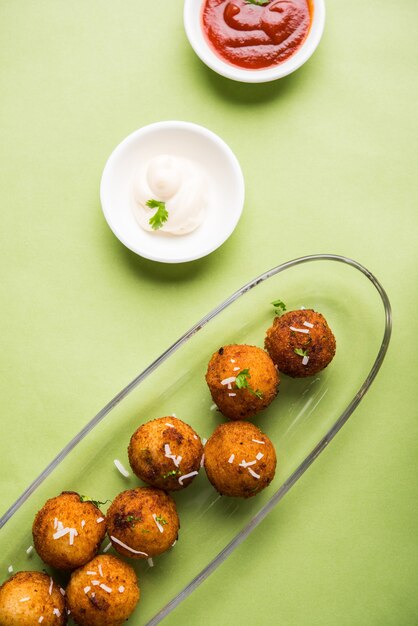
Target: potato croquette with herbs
[(300, 343), (142, 522), (102, 593), (240, 460), (165, 453), (242, 380), (67, 531), (30, 598)]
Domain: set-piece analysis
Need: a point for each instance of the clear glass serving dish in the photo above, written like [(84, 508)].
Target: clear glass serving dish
[(302, 421)]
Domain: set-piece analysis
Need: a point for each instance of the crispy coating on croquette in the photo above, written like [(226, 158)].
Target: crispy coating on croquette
[(240, 460), (104, 592), (288, 347), (72, 549), (143, 519), (29, 596), (153, 446), (263, 380)]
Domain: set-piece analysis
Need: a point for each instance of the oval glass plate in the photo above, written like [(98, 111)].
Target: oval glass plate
[(303, 419)]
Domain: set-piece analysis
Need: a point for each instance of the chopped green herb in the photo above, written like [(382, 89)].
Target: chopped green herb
[(145, 530), (259, 3), (172, 473), (97, 503), (160, 216), (279, 307), (241, 382), (301, 352), (161, 520), (132, 519)]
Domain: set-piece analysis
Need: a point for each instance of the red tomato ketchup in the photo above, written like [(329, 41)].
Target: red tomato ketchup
[(256, 36)]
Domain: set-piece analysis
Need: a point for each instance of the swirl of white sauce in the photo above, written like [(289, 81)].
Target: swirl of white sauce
[(180, 184)]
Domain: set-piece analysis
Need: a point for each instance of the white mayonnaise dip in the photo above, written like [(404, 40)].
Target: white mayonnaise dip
[(179, 183)]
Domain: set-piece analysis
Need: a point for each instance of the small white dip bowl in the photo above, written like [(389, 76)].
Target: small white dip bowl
[(199, 43), (182, 139)]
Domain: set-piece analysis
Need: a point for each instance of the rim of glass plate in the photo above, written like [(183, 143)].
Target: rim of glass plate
[(293, 478)]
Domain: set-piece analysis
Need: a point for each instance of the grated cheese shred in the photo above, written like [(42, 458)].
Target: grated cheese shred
[(299, 330), (124, 545), (159, 526), (121, 468), (189, 475)]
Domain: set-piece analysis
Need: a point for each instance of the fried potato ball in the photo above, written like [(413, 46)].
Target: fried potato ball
[(29, 596), (300, 343), (67, 532), (240, 460), (242, 380), (142, 522), (164, 452), (104, 592)]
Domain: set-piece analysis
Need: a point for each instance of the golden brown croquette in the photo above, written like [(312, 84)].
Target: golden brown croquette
[(68, 532), (240, 460), (30, 598), (242, 380), (164, 451), (104, 592), (142, 522), (300, 343)]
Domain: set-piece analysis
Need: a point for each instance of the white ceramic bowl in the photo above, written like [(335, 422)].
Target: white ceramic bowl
[(194, 32), (187, 140)]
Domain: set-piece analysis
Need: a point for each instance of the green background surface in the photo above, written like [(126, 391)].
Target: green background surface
[(329, 159)]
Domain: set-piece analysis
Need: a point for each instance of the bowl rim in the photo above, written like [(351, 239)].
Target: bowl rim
[(192, 12), (156, 127)]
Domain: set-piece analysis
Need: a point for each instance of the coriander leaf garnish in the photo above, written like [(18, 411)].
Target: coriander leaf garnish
[(161, 520), (301, 352), (160, 216), (259, 3), (132, 519), (279, 307), (96, 503), (241, 382), (172, 473)]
